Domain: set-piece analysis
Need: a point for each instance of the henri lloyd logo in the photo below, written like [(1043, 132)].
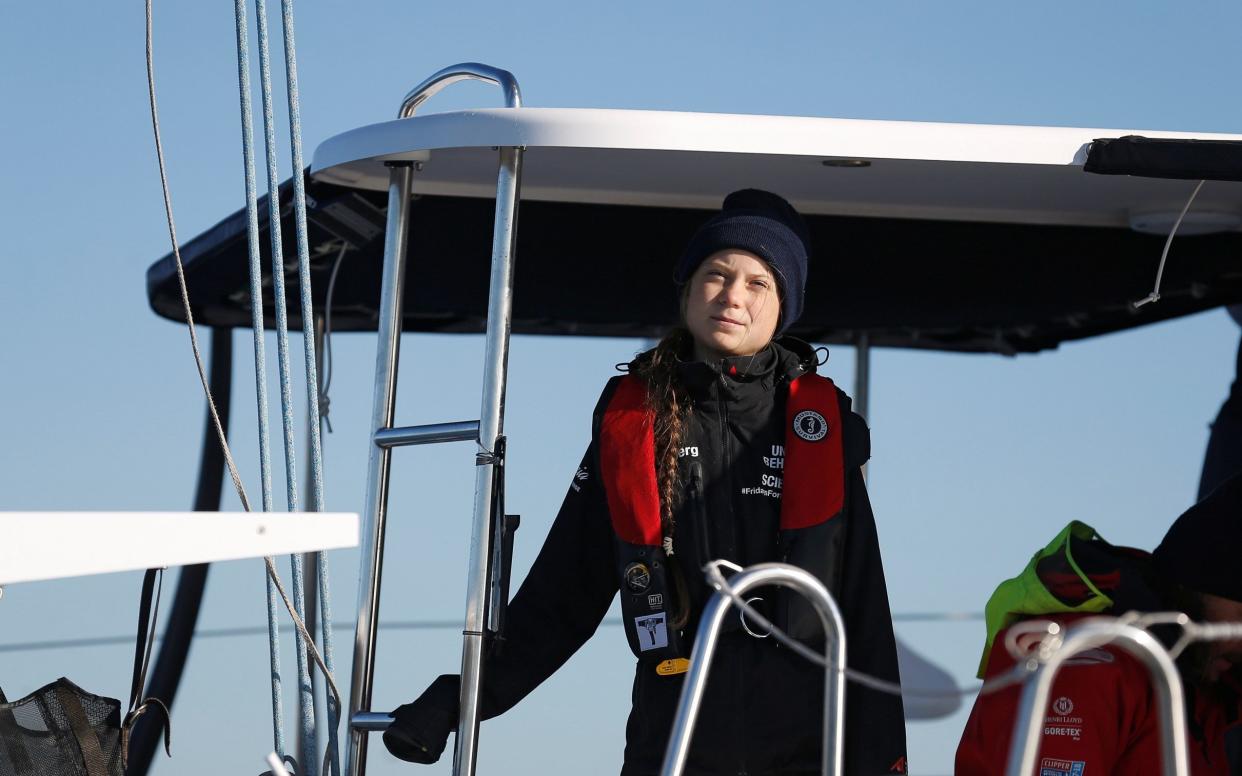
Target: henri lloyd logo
[(1060, 723), (810, 425), (651, 631)]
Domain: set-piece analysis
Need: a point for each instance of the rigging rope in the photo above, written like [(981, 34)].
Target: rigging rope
[(387, 625), (189, 317), (273, 579), (716, 579), (1029, 653), (308, 342), (185, 299), (1154, 296), (306, 690), (325, 404), (260, 360)]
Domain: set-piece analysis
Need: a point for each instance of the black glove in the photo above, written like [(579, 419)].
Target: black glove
[(419, 730)]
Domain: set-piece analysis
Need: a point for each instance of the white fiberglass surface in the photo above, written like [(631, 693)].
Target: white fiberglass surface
[(55, 545), (912, 169)]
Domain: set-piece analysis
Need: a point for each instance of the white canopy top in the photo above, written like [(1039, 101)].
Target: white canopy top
[(974, 172)]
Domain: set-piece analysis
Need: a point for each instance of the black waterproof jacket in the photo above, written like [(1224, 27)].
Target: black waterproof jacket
[(763, 708)]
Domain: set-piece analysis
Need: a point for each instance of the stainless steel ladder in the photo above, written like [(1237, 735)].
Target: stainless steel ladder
[(486, 432), (759, 575)]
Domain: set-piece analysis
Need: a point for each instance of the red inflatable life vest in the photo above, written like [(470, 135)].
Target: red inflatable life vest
[(813, 493)]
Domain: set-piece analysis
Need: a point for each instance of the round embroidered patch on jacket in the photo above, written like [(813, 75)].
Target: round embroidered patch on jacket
[(810, 425), (637, 577)]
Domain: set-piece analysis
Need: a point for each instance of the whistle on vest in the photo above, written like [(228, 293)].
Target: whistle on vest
[(646, 603)]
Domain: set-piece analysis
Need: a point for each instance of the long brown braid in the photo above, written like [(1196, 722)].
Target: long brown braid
[(670, 405)]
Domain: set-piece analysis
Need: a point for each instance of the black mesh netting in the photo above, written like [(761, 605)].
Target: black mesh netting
[(58, 730)]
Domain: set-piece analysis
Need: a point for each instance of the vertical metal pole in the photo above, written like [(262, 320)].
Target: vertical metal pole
[(387, 350), (862, 374), (310, 562), (491, 425), (308, 747), (862, 380)]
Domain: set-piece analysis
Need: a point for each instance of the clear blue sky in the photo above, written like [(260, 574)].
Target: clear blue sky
[(977, 459)]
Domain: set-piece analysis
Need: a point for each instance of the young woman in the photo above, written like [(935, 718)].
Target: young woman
[(720, 443)]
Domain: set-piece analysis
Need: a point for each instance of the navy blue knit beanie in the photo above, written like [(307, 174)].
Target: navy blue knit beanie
[(767, 226), (1200, 551)]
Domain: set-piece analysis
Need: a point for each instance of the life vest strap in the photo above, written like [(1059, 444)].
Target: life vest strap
[(627, 460), (814, 479)]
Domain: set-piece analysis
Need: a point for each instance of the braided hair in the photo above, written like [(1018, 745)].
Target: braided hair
[(669, 403)]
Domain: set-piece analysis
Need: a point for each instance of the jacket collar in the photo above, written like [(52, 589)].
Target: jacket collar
[(782, 361)]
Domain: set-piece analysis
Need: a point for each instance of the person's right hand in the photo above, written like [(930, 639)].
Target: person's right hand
[(420, 730)]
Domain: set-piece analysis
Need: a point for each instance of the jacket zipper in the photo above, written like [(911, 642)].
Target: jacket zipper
[(735, 545), (698, 508), (725, 456)]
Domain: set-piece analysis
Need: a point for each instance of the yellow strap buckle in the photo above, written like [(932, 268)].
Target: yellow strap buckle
[(678, 665)]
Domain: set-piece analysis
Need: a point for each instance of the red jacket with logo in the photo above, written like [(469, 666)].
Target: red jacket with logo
[(1102, 719)]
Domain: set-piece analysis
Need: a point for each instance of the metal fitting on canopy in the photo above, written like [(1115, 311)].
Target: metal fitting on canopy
[(465, 71)]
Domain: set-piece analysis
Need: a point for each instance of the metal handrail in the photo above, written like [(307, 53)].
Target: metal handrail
[(370, 720), (705, 647), (428, 434), (491, 427), (1093, 634), (486, 431), (383, 409), (465, 71)]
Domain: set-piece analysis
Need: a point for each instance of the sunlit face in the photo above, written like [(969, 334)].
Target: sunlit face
[(732, 306), (1221, 655)]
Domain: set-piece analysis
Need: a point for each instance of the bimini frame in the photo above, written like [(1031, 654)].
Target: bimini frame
[(486, 431)]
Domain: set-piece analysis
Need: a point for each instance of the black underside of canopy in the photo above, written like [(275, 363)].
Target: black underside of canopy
[(606, 270)]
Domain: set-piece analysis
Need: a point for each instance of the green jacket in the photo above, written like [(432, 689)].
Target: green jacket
[(1053, 582)]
